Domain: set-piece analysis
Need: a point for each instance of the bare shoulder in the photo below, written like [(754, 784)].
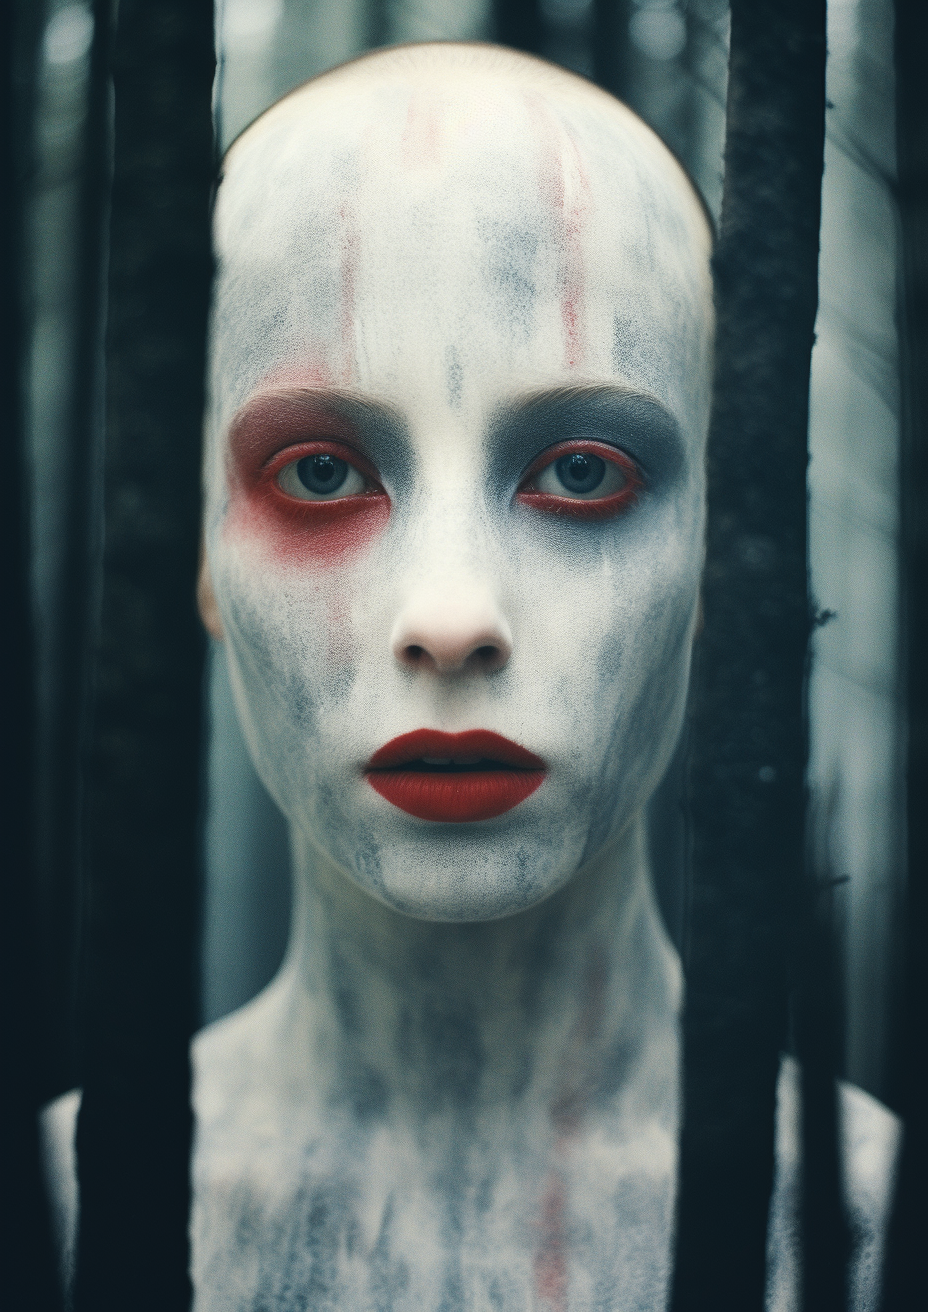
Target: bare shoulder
[(872, 1137), (255, 1162), (226, 1056), (231, 1059), (251, 1105), (870, 1134), (58, 1126), (243, 1165)]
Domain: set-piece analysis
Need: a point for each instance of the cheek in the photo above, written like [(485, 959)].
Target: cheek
[(609, 638), (649, 674), (304, 534), (335, 632), (295, 629)]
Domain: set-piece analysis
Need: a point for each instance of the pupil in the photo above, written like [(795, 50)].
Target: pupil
[(322, 473), (581, 473)]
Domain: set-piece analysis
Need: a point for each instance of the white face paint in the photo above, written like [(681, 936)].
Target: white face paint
[(454, 480)]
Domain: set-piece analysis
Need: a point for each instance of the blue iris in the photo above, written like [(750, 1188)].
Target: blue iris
[(322, 473), (580, 472)]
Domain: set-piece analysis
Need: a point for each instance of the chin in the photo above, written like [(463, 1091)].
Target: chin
[(465, 878)]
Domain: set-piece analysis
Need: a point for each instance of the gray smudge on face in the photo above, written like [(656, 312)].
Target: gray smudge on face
[(455, 377), (511, 254)]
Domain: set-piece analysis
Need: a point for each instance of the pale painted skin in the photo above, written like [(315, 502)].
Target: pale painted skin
[(461, 1092), (449, 248)]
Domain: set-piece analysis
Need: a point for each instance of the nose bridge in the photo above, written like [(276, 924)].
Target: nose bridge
[(452, 536), (450, 617)]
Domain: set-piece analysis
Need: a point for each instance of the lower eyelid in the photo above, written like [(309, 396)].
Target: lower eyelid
[(289, 474), (275, 468), (626, 467), (604, 490)]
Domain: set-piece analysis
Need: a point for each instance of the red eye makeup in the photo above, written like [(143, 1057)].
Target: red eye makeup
[(581, 479), (299, 481)]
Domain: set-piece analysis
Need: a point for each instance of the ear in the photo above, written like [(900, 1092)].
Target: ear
[(206, 601)]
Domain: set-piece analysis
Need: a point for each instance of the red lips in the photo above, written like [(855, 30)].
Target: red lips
[(454, 777)]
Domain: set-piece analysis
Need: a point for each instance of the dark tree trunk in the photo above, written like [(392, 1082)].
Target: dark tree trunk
[(749, 742), (28, 1279), (143, 792), (611, 45), (906, 1280), (77, 594), (519, 23)]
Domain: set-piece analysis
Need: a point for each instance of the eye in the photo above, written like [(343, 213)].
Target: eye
[(585, 479), (581, 474), (321, 477)]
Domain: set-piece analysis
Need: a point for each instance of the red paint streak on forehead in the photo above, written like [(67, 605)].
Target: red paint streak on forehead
[(565, 192), (349, 258), (421, 139)]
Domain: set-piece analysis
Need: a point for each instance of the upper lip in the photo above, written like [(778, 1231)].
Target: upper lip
[(434, 745)]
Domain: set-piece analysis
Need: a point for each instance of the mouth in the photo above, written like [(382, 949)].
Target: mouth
[(454, 777)]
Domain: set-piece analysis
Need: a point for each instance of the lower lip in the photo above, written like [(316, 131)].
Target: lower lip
[(450, 796), (470, 795)]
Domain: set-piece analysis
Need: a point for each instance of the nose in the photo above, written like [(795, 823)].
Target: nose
[(452, 631)]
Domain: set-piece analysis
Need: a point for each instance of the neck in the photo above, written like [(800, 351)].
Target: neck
[(554, 1005)]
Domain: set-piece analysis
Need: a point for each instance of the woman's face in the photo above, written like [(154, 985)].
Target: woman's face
[(455, 483)]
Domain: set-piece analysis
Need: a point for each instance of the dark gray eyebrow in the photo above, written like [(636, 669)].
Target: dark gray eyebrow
[(633, 420), (381, 428), (348, 402)]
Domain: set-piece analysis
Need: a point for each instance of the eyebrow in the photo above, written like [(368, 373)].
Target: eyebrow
[(580, 392), (346, 398), (274, 409), (650, 432)]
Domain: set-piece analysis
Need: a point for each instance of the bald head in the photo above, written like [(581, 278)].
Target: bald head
[(479, 78), (515, 217)]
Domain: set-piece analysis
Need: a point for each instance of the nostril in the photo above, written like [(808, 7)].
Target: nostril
[(452, 658), (451, 634)]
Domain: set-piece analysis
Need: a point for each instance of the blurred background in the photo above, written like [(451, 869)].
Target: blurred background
[(667, 59)]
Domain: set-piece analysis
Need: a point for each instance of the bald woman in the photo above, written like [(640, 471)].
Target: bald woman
[(455, 507)]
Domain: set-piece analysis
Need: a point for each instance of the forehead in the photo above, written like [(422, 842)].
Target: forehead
[(457, 235)]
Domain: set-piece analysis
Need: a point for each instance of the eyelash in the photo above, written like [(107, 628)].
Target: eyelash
[(274, 467), (575, 507)]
